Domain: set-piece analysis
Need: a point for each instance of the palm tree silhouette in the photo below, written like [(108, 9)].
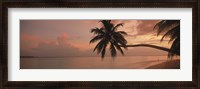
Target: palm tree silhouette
[(108, 35), (171, 29)]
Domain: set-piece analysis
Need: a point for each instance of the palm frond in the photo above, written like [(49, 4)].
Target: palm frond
[(108, 26), (165, 25), (113, 50), (105, 24), (97, 31), (120, 39), (99, 46), (171, 32), (121, 42), (118, 47), (175, 36), (103, 50), (122, 32), (175, 46), (116, 26), (96, 38)]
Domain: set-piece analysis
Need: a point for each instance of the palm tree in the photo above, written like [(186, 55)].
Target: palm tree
[(171, 29), (108, 35)]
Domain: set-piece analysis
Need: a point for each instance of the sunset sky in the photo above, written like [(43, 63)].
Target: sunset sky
[(53, 38)]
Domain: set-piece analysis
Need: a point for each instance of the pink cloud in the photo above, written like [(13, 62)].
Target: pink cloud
[(27, 37), (29, 41), (57, 47), (62, 39)]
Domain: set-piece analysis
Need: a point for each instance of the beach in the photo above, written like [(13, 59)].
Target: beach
[(170, 64)]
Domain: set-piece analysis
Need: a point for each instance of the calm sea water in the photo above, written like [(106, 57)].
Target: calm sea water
[(125, 62)]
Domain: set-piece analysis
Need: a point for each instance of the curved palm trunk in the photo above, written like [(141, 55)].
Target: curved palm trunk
[(156, 47)]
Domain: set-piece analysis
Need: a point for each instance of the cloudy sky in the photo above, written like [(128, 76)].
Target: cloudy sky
[(53, 38)]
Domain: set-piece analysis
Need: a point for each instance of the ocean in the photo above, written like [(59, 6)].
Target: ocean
[(123, 62)]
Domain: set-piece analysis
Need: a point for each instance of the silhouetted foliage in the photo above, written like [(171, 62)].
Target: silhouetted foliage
[(108, 35), (171, 29)]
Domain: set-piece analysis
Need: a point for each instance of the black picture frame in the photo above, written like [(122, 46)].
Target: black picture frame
[(194, 4)]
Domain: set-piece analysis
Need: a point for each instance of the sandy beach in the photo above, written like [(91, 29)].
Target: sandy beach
[(170, 64)]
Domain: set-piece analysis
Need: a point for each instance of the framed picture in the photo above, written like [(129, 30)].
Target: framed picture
[(100, 44)]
